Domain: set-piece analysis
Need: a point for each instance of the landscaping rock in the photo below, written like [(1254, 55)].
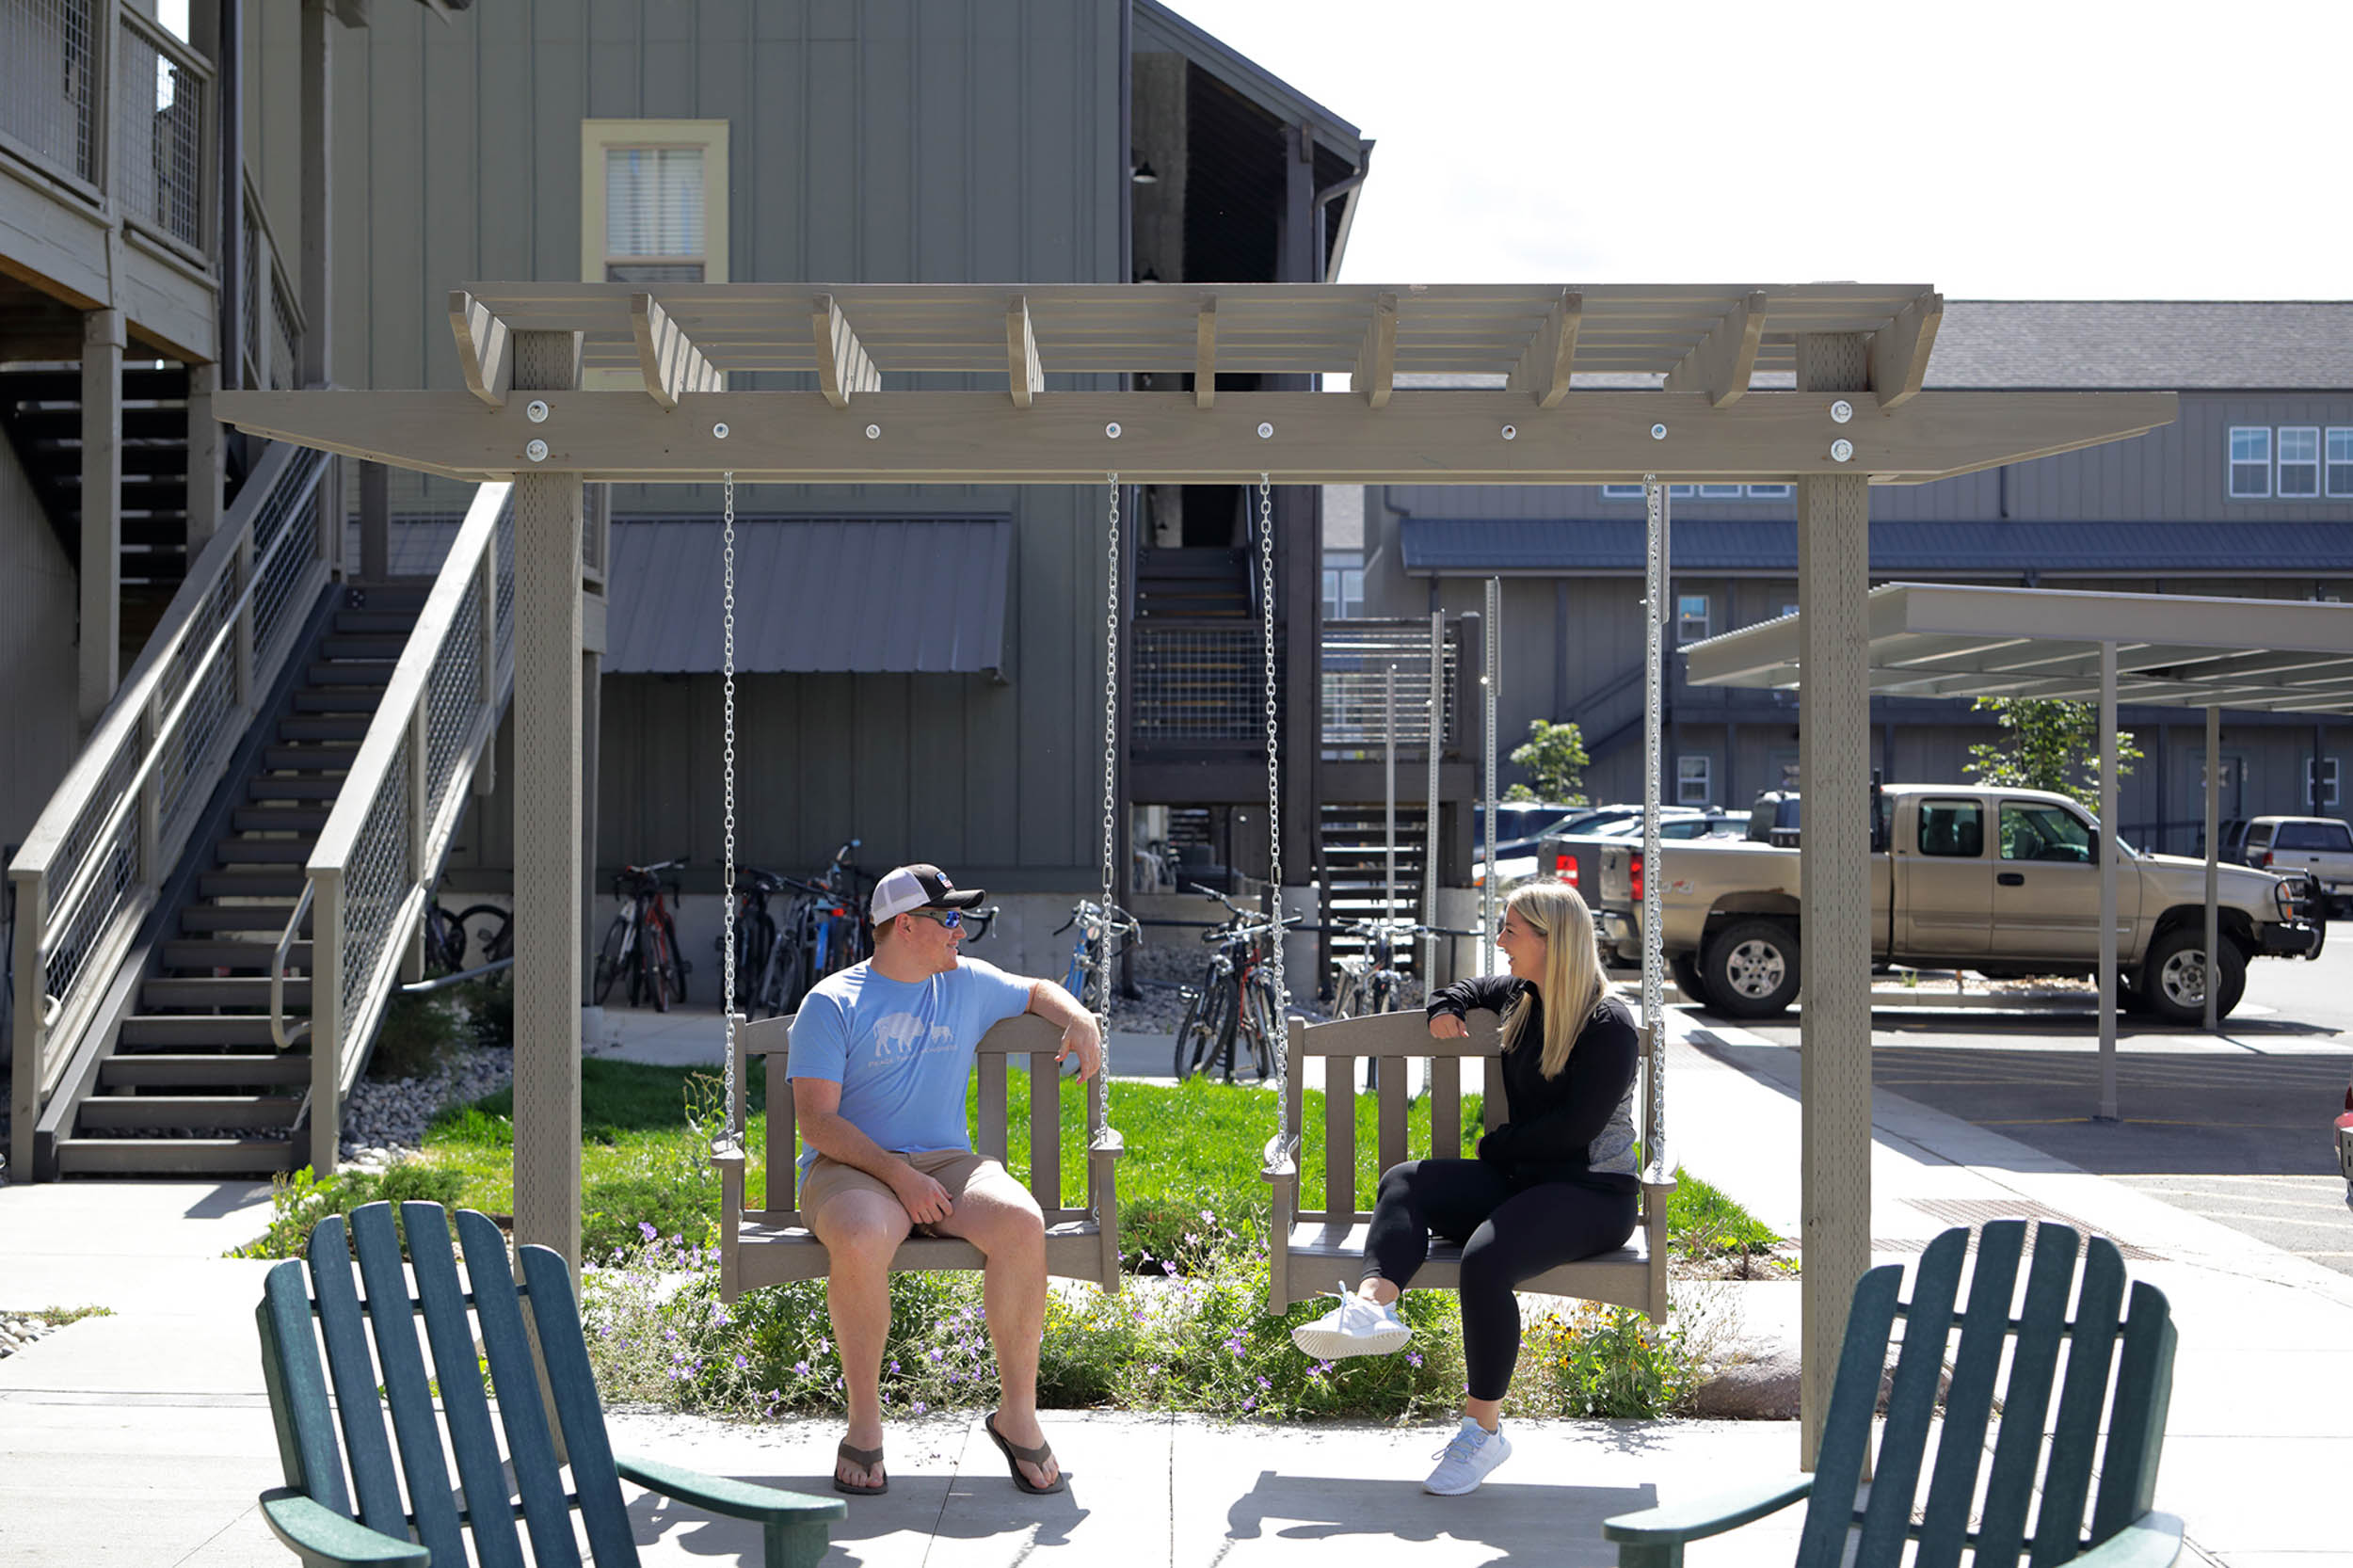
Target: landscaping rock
[(385, 1121), (1761, 1389)]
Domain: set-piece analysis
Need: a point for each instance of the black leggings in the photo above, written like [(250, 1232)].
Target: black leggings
[(1509, 1233)]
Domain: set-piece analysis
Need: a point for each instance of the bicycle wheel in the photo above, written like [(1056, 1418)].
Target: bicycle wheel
[(1196, 1041), (1262, 1026), (674, 957), (487, 930), (756, 957), (653, 966), (611, 956), (444, 940)]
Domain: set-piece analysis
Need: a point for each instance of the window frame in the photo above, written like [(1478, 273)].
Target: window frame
[(2335, 437), (1772, 492), (2233, 462), (1706, 618), (2328, 779), (1705, 777), (601, 137), (1919, 831), (2281, 462)]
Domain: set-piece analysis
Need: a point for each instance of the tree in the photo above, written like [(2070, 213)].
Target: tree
[(1555, 759), (2048, 745)]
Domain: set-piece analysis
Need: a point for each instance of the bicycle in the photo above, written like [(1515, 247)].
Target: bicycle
[(1368, 980), (641, 940), (771, 967), (829, 919), (1236, 998), (483, 928), (1098, 925)]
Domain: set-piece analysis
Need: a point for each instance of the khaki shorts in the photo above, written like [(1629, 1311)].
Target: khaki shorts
[(955, 1169)]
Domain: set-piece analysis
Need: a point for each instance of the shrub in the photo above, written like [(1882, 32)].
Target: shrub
[(420, 1035), (490, 1005), (1602, 1361), (298, 1202)]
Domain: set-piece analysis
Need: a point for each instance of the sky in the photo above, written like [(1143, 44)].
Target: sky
[(2059, 149)]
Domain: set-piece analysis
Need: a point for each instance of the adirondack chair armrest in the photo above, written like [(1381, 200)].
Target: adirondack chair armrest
[(737, 1499), (2152, 1541), (322, 1538), (1673, 1524)]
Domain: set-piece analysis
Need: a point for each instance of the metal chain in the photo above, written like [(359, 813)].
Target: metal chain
[(1273, 787), (1111, 762), (726, 896)]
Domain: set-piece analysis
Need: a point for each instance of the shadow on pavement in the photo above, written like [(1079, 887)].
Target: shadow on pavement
[(965, 1507), (1522, 1523)]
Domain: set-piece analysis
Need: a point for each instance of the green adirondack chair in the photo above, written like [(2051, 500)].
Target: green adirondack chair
[(1882, 1513), (313, 1511)]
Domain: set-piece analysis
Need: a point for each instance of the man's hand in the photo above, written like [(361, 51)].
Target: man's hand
[(925, 1200), (1081, 1036), (1445, 1026)]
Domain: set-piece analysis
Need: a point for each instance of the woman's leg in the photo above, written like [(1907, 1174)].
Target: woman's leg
[(1538, 1228), (1417, 1198)]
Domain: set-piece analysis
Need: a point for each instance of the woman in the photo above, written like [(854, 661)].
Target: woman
[(1556, 1182)]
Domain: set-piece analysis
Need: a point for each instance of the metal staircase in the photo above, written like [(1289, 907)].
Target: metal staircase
[(1356, 867)]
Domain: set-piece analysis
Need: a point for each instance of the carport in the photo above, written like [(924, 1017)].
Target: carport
[(2152, 650)]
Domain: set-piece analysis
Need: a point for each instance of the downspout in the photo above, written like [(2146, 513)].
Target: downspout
[(1325, 268)]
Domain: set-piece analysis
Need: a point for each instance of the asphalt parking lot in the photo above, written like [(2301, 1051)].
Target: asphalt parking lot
[(2236, 1127)]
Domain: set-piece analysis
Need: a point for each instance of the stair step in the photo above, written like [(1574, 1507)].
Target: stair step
[(162, 1028), (200, 952), (200, 920), (161, 1157), (309, 759), (317, 727), (362, 700), (363, 647), (285, 883), (270, 787), (64, 384), (206, 991), (278, 819), (351, 672), (375, 621), (387, 595), (116, 1113), (221, 1071), (264, 851)]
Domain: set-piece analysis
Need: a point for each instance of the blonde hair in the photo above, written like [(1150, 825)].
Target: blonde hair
[(1571, 987)]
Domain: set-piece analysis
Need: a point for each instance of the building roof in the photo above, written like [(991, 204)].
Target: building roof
[(2132, 344), (812, 594), (1452, 547)]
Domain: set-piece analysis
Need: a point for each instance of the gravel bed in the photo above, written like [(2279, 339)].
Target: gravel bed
[(385, 1120), (18, 1330)]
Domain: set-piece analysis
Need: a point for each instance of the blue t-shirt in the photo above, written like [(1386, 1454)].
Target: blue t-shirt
[(903, 1052)]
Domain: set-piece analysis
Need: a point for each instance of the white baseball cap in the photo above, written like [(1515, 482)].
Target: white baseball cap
[(919, 887)]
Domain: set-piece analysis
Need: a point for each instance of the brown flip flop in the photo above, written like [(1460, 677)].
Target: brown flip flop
[(1015, 1456), (865, 1459)]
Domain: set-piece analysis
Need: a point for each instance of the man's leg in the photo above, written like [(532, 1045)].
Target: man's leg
[(861, 1229), (997, 1214)]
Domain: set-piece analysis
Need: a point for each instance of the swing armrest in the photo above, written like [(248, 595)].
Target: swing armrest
[(1673, 1524), (1107, 1140), (737, 1499)]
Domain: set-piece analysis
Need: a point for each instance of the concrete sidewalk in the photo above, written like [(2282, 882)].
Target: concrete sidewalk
[(142, 1437)]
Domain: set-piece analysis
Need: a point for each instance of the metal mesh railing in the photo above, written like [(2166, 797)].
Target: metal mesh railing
[(48, 83), (1358, 691), (285, 333), (269, 307), (378, 875), (1199, 685), (159, 133)]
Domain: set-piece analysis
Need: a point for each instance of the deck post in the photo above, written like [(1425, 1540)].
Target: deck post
[(103, 343), (547, 824), (1835, 756)]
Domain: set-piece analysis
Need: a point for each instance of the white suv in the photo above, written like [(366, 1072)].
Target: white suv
[(2322, 846)]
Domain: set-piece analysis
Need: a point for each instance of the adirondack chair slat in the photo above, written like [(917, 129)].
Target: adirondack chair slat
[(1969, 1400), (465, 1409), (2144, 1393), (297, 1390), (573, 1383), (369, 1451), (545, 1509), (1339, 1139), (391, 1321), (1912, 1401), (1446, 1107), (2026, 1397), (1847, 1425), (2083, 1400), (1046, 1130)]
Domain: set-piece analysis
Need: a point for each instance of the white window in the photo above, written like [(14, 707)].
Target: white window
[(1622, 492), (1343, 583), (2327, 782), (1771, 492), (1720, 492), (1690, 617), (2250, 462), (2299, 462), (653, 200), (2341, 462), (1789, 609), (1692, 780)]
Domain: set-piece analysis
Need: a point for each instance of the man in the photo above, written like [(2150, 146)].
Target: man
[(881, 1052)]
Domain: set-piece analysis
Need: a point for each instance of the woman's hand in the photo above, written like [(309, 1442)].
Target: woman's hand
[(1446, 1026)]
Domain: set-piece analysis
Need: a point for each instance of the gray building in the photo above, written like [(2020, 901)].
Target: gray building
[(2248, 494)]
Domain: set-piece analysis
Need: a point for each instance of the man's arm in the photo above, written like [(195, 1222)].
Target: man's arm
[(817, 1109), (1049, 1000)]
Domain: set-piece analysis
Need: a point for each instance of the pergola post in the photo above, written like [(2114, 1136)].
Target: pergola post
[(546, 826), (1834, 758), (2214, 855), (2111, 847)]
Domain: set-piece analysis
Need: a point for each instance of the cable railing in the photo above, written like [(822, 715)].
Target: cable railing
[(1362, 705), (375, 861), (269, 307), (95, 861)]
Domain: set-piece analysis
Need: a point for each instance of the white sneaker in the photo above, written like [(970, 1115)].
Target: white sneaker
[(1465, 1460), (1355, 1327)]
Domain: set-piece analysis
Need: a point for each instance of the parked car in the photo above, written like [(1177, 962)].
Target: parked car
[(2322, 847), (1518, 854), (2345, 1141), (1775, 818), (1574, 855)]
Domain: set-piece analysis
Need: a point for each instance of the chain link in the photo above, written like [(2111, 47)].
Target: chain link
[(726, 897), (1111, 763), (1274, 787)]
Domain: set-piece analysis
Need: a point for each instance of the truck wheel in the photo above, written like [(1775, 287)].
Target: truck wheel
[(1685, 967), (2173, 981), (1751, 969)]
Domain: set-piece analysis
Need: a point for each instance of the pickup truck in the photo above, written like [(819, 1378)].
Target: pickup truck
[(2005, 882), (2322, 847)]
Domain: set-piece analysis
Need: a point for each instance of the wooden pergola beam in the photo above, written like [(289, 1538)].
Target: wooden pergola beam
[(671, 364), (1721, 363), (1024, 374), (1205, 355), (1375, 375), (1543, 371), (844, 370), (483, 355), (1899, 350)]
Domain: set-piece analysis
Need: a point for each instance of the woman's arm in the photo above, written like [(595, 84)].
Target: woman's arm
[(1579, 1103), (1493, 992)]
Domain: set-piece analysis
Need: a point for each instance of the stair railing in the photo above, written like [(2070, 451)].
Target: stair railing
[(103, 847), (376, 859)]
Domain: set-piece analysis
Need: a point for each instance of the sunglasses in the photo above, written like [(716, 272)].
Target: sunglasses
[(950, 919)]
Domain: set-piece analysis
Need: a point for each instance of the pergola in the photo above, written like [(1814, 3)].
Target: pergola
[(2172, 650), (1021, 384)]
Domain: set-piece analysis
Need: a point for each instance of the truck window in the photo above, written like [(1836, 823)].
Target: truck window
[(1952, 828), (2259, 836), (2037, 832)]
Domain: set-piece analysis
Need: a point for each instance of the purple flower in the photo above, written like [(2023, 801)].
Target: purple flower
[(800, 1368), (1263, 1382), (1190, 1240), (644, 1228), (894, 1363), (936, 1352), (1168, 1269), (919, 1407), (1251, 1403), (740, 1363), (1413, 1358), (1207, 1218)]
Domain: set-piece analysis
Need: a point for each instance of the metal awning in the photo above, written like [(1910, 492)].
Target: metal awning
[(1946, 640), (850, 595)]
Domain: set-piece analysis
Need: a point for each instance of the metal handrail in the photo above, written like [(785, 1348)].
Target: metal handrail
[(278, 1029), (370, 875)]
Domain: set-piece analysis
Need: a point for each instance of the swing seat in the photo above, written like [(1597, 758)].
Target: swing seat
[(1311, 1250), (770, 1244)]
